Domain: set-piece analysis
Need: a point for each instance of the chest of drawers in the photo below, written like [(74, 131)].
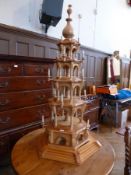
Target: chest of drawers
[(92, 110), (24, 93)]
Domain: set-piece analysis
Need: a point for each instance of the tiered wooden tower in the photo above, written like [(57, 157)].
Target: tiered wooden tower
[(68, 137)]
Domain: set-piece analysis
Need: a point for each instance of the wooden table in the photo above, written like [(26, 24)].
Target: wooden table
[(27, 161), (114, 107)]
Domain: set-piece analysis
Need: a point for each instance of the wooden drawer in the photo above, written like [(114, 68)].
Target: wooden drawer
[(14, 100), (8, 140), (20, 133), (36, 69), (15, 118), (92, 104), (92, 116), (24, 94), (23, 83), (10, 69), (4, 144)]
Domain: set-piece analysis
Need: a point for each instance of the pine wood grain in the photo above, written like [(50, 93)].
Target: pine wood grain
[(27, 161)]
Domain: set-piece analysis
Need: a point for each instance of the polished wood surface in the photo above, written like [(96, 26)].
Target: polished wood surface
[(24, 93), (92, 110), (27, 161)]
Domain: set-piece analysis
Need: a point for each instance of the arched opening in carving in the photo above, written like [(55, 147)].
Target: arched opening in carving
[(65, 91), (80, 137), (60, 140), (67, 51), (76, 91), (66, 71), (79, 113), (58, 70), (75, 71)]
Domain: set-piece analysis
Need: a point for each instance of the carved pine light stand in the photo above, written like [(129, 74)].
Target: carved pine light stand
[(67, 134)]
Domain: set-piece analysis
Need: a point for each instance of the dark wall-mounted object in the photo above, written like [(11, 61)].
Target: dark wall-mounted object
[(129, 2), (51, 12)]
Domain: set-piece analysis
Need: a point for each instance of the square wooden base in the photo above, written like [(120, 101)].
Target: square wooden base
[(70, 154)]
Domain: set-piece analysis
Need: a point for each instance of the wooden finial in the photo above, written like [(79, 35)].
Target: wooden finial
[(68, 30), (69, 10)]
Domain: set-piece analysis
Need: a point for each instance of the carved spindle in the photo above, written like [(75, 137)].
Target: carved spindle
[(127, 139)]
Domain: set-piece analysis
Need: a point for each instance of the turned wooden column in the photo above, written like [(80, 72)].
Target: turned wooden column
[(127, 139)]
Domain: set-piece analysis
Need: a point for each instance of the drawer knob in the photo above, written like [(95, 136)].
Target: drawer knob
[(5, 120), (41, 98), (15, 65), (39, 69), (2, 143), (5, 102), (5, 70), (40, 82), (4, 84), (41, 112)]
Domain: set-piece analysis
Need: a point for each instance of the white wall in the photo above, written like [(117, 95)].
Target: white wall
[(105, 24), (113, 26)]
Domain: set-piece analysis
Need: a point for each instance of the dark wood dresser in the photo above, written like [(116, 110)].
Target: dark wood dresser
[(24, 93), (92, 110)]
